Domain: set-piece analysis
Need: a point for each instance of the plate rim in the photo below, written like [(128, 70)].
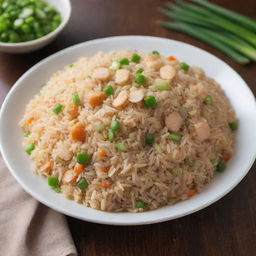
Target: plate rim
[(107, 221)]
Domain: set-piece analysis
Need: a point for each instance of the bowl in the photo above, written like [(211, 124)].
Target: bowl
[(28, 85), (64, 8)]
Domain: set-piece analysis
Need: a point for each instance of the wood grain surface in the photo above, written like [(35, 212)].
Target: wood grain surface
[(226, 228)]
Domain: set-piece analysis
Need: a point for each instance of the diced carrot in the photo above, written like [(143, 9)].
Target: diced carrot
[(101, 153), (78, 169), (30, 120), (171, 58), (226, 156), (47, 167), (191, 192), (105, 169), (105, 184), (77, 132), (95, 99)]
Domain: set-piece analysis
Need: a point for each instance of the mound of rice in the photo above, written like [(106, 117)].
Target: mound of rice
[(161, 153)]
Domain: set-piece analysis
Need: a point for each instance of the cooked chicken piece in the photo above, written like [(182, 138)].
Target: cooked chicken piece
[(136, 96), (167, 72), (68, 177), (101, 74), (174, 122), (202, 131), (122, 76), (153, 62), (120, 100)]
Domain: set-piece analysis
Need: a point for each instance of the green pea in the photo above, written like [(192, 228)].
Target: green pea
[(114, 125), (135, 58), (150, 101), (29, 148), (140, 204), (184, 66), (108, 90), (57, 108), (140, 79), (83, 184)]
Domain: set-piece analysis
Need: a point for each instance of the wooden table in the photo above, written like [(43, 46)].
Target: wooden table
[(227, 227)]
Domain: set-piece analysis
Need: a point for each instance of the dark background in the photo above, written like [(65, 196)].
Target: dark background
[(227, 227)]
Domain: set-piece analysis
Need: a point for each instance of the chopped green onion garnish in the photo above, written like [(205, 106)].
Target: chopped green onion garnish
[(114, 126), (71, 65), (175, 136), (108, 90), (52, 181), (75, 98), (124, 61), (29, 148), (82, 158), (111, 135), (221, 166), (98, 126), (184, 66), (57, 108), (162, 84), (57, 189), (140, 79), (208, 100), (176, 171), (213, 161), (83, 184), (121, 146), (139, 71), (135, 58), (157, 148), (155, 52), (26, 133), (115, 65), (233, 126), (140, 204), (150, 138), (150, 101)]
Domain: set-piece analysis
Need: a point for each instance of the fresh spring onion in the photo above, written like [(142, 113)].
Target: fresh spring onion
[(230, 32), (25, 20), (208, 17), (192, 31), (237, 17)]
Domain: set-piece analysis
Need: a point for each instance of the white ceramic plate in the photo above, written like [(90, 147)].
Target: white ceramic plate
[(29, 84)]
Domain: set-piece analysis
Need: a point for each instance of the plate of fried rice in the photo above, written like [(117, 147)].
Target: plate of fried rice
[(129, 130)]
